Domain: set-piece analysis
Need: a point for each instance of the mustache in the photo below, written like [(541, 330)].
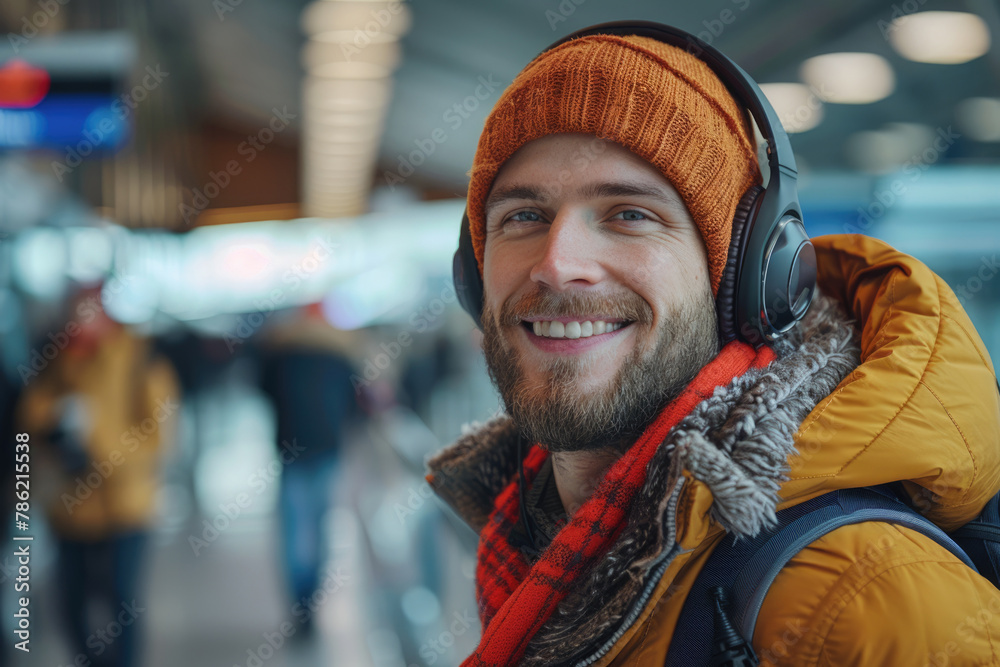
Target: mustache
[(544, 302)]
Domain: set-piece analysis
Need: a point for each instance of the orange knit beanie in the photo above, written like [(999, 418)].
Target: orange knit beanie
[(657, 100)]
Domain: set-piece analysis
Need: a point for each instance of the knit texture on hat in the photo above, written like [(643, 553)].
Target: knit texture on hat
[(657, 100)]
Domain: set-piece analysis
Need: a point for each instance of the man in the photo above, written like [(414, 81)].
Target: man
[(102, 413), (601, 204), (306, 373)]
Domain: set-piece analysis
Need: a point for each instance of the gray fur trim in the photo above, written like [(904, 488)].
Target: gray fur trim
[(736, 442), (469, 474)]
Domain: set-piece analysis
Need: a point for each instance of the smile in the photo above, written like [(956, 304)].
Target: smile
[(573, 329)]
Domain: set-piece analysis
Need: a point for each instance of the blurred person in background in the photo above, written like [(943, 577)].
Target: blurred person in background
[(306, 374), (101, 412), (610, 182)]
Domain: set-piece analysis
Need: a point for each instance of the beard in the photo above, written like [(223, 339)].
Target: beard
[(555, 413)]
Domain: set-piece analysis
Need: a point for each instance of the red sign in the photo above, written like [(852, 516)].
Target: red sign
[(22, 85)]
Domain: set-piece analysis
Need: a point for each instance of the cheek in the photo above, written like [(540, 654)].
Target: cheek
[(666, 279), (497, 277)]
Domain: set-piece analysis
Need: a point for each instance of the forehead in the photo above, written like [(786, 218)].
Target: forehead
[(576, 152), (581, 167)]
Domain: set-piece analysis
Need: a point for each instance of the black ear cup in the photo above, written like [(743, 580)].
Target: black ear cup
[(789, 280), (725, 299), (465, 275)]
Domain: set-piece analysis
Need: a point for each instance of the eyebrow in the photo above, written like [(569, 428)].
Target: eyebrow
[(589, 191)]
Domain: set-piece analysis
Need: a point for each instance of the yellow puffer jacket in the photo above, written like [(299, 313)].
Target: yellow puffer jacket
[(922, 406), (132, 403)]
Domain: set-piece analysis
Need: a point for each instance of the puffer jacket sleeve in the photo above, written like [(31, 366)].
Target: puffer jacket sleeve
[(878, 594)]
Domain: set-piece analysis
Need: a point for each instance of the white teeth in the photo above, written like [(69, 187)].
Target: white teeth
[(574, 329)]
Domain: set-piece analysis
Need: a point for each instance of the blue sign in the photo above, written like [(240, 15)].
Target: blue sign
[(74, 124)]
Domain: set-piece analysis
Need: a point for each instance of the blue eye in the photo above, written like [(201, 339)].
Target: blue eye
[(532, 216), (632, 214), (514, 217)]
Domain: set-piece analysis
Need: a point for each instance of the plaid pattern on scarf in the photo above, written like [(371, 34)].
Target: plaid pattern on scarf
[(516, 599)]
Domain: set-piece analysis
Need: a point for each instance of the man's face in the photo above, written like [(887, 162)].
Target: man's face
[(598, 308)]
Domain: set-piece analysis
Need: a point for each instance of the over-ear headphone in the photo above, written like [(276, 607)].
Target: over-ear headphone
[(770, 275)]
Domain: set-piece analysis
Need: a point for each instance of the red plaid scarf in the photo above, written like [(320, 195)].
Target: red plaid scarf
[(515, 600)]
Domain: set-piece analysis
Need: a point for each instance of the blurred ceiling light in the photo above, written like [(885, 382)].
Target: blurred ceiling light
[(340, 120), (339, 177), (947, 38), (348, 137), (798, 108), (348, 37), (885, 150), (340, 188), (136, 303), (849, 77), (90, 253), (352, 70), (39, 262), (346, 95), (333, 175), (913, 137), (384, 51), (979, 118), (346, 196), (243, 262), (350, 56), (362, 18), (322, 142)]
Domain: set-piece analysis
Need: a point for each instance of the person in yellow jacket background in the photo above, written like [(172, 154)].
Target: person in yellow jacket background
[(601, 212), (101, 411)]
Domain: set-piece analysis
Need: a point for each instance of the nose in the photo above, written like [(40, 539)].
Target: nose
[(569, 254)]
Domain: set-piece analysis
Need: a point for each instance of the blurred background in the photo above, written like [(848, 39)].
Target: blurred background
[(226, 314)]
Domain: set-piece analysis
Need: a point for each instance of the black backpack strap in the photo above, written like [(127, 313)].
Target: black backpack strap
[(747, 567), (981, 540)]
